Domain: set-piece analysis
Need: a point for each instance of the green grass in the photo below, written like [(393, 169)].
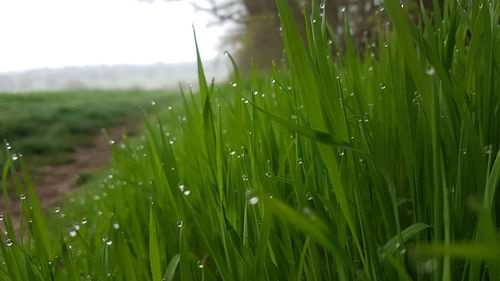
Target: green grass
[(361, 167), (45, 126)]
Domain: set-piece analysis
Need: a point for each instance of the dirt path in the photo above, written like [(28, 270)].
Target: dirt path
[(51, 182)]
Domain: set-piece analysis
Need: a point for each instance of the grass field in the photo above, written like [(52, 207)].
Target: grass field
[(45, 126), (380, 166)]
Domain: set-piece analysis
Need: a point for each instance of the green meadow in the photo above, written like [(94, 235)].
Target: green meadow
[(382, 164), (46, 126)]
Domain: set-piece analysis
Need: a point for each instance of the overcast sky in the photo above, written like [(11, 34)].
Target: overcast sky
[(58, 33)]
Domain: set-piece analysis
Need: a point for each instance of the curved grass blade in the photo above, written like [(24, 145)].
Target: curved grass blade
[(312, 134)]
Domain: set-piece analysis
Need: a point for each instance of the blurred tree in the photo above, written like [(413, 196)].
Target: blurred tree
[(256, 35)]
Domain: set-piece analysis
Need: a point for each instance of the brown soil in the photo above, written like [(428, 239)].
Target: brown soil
[(51, 182)]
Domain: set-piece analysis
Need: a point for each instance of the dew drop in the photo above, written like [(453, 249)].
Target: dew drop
[(57, 210), (1, 217), (72, 233), (234, 84), (84, 221), (382, 86), (179, 224), (244, 177), (309, 196), (322, 6), (109, 243), (153, 102), (14, 157), (9, 242), (186, 192), (342, 9), (116, 225), (488, 149), (430, 71), (429, 266), (245, 100), (254, 200), (22, 197)]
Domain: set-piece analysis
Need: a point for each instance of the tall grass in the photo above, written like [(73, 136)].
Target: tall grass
[(380, 166)]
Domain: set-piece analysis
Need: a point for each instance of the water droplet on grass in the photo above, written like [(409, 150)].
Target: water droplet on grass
[(179, 224), (234, 84), (382, 86), (116, 225), (22, 197), (72, 233), (488, 149), (153, 102), (430, 71), (9, 242), (429, 266), (14, 157), (254, 200), (309, 196), (187, 192)]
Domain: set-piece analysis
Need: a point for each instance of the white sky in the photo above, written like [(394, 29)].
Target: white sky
[(58, 33)]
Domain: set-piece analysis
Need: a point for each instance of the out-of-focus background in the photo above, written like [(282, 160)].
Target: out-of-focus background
[(95, 44), (118, 44), (71, 68)]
